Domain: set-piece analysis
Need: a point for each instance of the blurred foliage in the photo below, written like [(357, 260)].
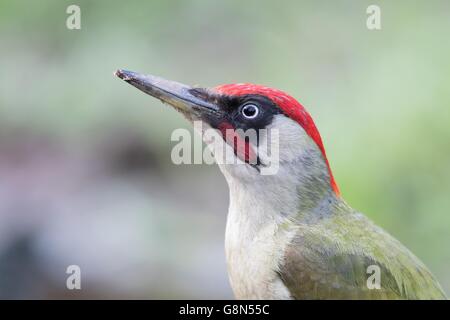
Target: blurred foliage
[(380, 98)]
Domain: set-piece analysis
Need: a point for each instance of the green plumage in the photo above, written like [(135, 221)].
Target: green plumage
[(330, 253)]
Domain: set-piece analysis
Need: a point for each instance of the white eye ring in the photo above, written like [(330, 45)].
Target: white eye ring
[(250, 111)]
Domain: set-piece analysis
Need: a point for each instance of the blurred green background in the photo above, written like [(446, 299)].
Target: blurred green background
[(85, 170)]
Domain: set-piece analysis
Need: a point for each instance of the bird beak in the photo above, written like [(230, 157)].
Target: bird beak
[(182, 97)]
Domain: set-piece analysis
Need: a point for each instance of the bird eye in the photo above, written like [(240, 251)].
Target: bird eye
[(250, 111)]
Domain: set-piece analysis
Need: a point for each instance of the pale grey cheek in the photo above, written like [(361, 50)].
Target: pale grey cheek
[(288, 135), (296, 172)]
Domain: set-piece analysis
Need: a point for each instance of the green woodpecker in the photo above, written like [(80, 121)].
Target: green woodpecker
[(290, 234)]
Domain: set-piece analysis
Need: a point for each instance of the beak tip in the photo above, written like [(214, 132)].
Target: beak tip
[(122, 74)]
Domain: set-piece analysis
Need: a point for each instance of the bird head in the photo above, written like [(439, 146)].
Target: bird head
[(234, 109)]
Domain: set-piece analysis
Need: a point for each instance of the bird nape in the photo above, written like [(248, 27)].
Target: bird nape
[(290, 234)]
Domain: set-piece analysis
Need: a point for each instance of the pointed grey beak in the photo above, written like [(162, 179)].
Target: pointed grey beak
[(182, 97)]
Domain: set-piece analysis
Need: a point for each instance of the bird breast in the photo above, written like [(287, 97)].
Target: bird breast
[(253, 256)]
